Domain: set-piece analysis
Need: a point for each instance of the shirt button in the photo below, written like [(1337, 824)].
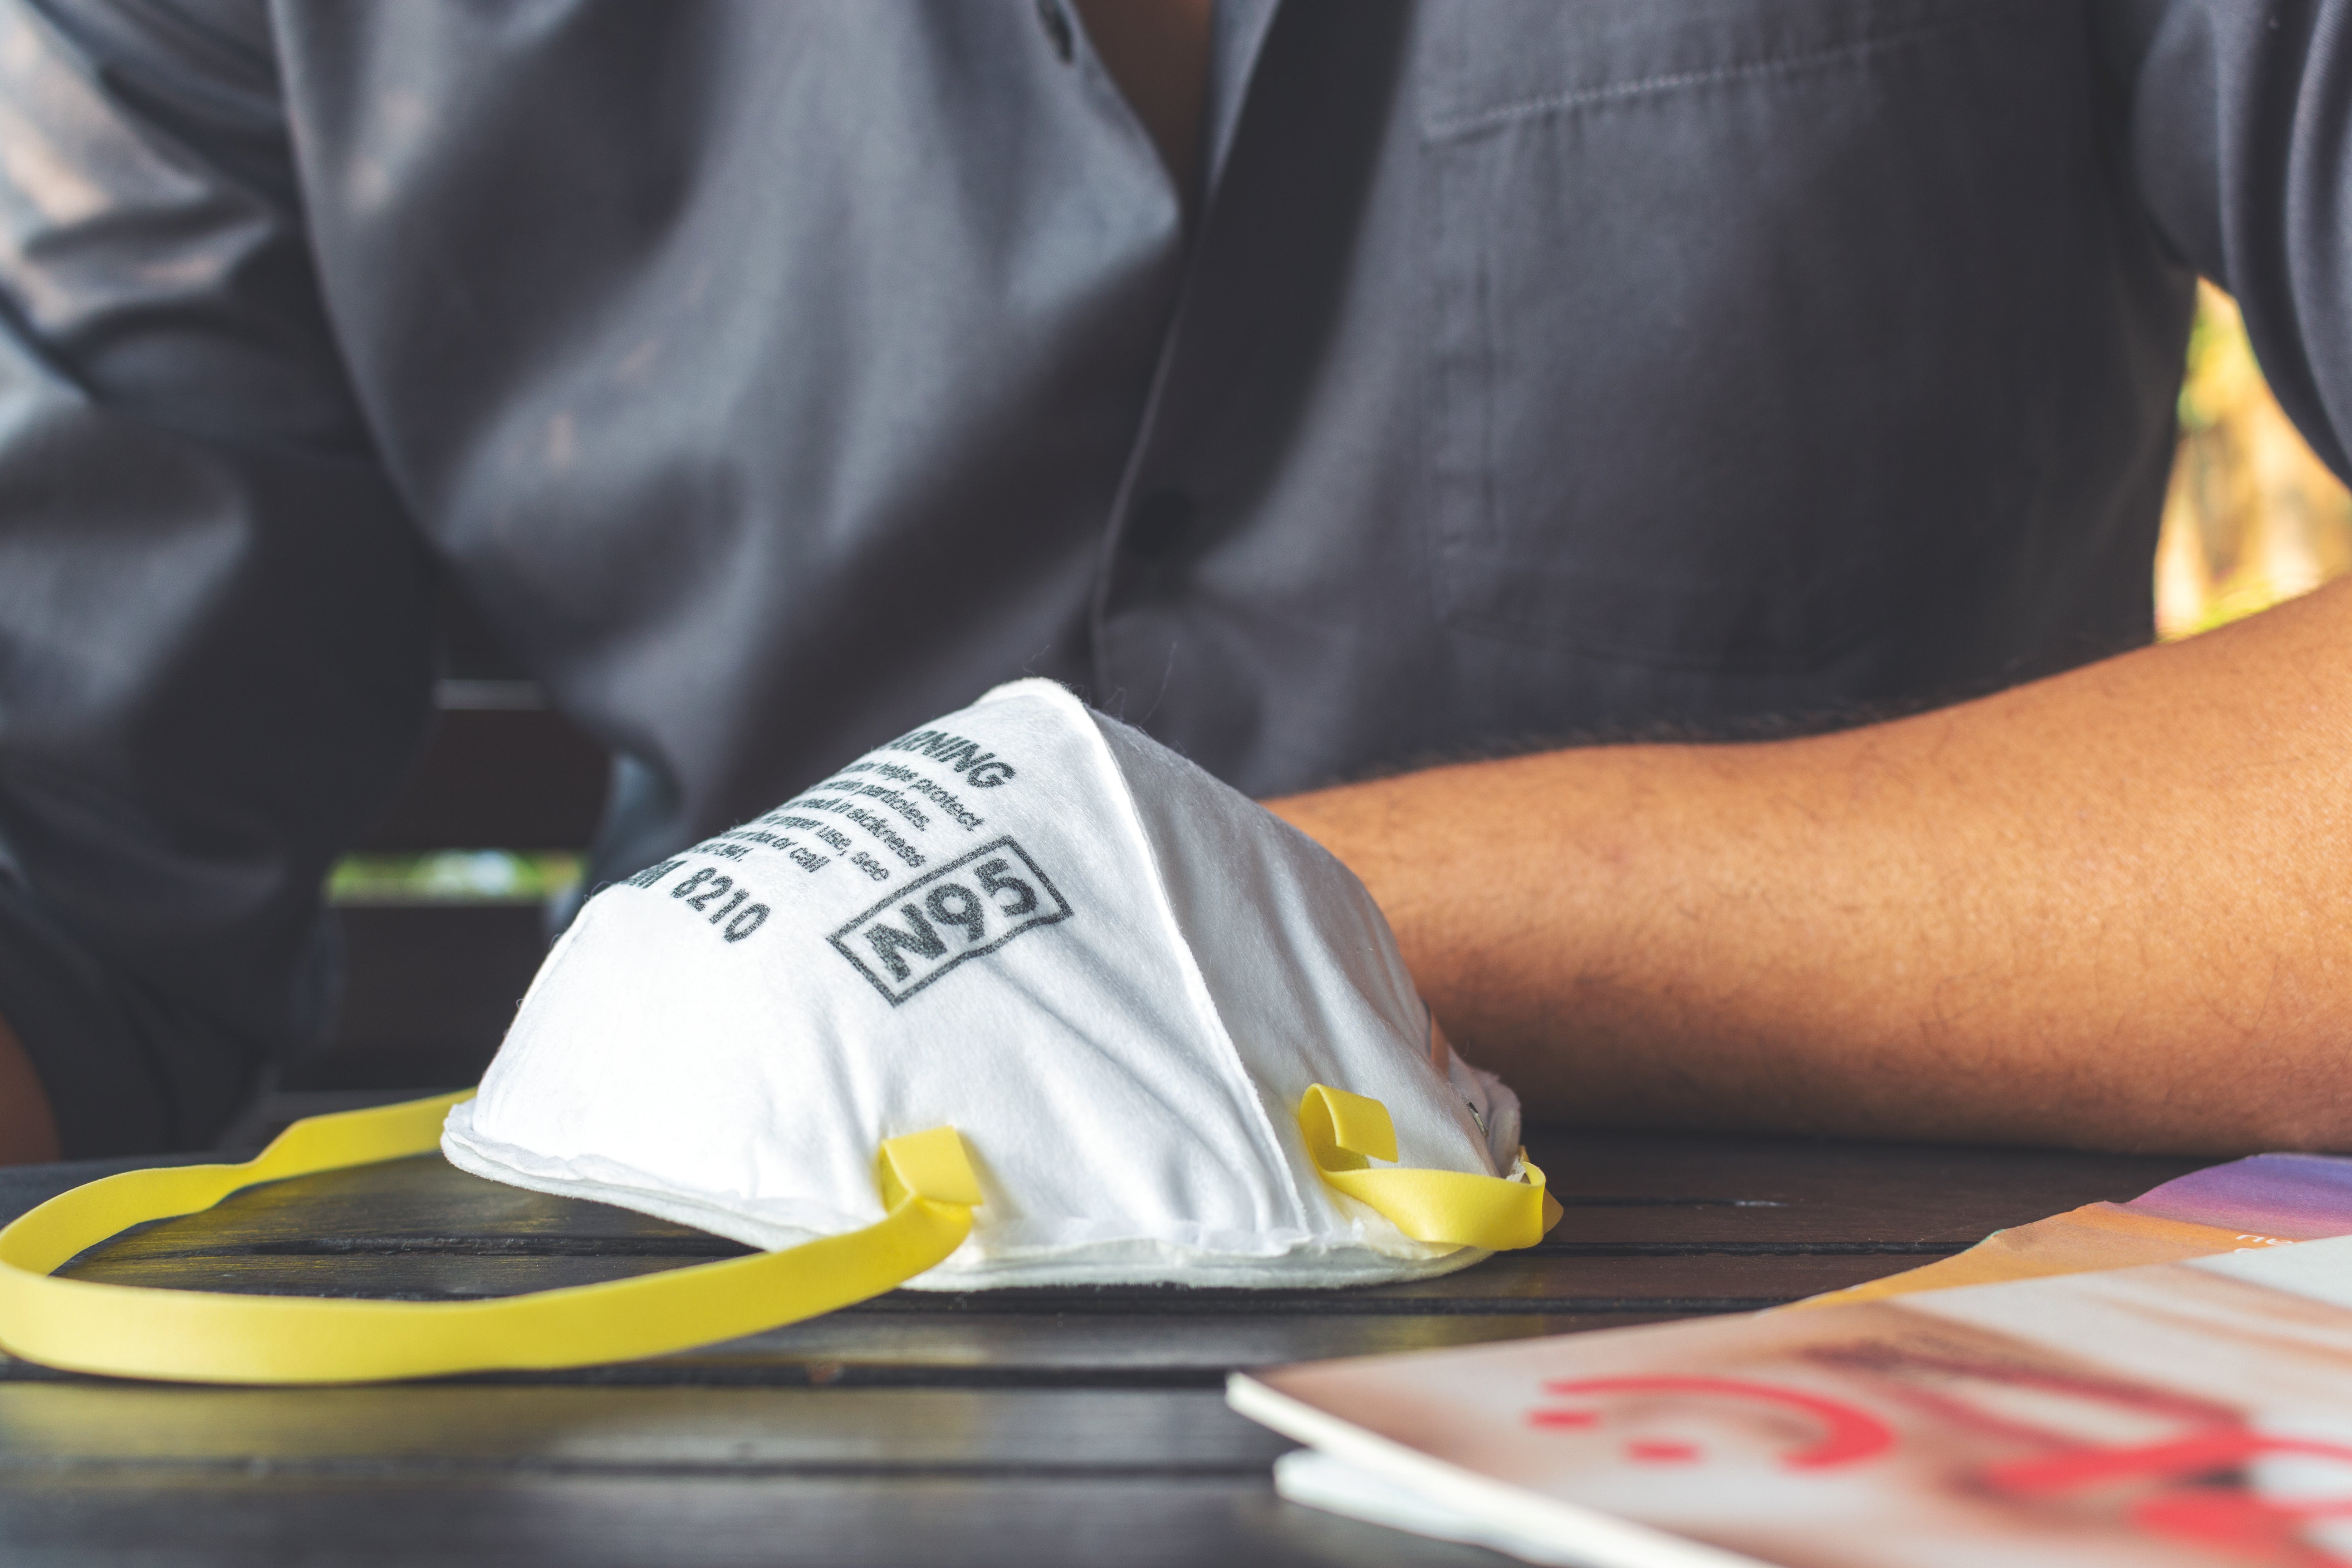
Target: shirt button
[(1158, 523), (1057, 23)]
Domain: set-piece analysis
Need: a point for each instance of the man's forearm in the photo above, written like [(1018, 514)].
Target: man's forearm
[(29, 1132), (2108, 909)]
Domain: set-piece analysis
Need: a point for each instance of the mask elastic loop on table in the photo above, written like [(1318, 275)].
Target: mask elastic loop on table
[(1345, 1133), (194, 1336)]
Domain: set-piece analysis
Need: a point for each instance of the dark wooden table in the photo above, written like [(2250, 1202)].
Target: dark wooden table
[(1031, 1427)]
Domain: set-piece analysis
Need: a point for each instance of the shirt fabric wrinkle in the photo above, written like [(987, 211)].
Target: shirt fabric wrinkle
[(773, 376)]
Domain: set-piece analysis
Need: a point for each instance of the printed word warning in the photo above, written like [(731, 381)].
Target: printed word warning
[(963, 910)]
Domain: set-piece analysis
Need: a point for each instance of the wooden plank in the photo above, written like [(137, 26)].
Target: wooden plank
[(978, 1350), (1651, 1194), (421, 1229), (420, 1199), (268, 1239), (426, 1430), (23, 1186), (1034, 1427), (1726, 1195), (418, 1229), (1505, 1285), (85, 1519), (994, 1351), (1669, 1189)]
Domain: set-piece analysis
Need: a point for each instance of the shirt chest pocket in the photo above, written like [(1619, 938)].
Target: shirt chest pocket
[(1738, 309)]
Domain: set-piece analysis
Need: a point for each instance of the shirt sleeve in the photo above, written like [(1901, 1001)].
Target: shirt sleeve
[(214, 616), (2241, 140)]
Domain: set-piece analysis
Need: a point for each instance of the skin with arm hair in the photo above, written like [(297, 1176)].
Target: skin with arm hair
[(2105, 909), (2102, 909)]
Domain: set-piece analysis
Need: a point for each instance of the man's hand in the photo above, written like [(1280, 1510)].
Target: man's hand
[(29, 1134), (2106, 909)]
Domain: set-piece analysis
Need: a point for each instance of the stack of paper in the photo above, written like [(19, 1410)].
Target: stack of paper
[(2197, 1411), (2270, 1200)]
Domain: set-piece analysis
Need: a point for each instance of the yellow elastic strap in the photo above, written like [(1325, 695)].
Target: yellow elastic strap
[(1345, 1133), (194, 1336)]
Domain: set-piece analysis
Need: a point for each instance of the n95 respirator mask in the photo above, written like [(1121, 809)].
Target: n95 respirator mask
[(1114, 976), (1020, 998)]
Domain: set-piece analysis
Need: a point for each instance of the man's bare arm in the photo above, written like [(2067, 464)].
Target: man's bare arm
[(2109, 909), (29, 1132)]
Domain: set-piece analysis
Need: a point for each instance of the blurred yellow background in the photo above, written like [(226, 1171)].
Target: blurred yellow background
[(2252, 516)]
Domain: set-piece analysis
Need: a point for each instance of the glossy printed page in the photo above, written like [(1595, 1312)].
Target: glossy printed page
[(2171, 1414)]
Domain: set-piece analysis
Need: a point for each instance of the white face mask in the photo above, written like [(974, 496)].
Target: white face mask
[(1020, 998), (1113, 975)]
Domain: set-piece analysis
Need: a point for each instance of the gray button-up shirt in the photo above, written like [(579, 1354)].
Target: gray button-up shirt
[(776, 376)]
